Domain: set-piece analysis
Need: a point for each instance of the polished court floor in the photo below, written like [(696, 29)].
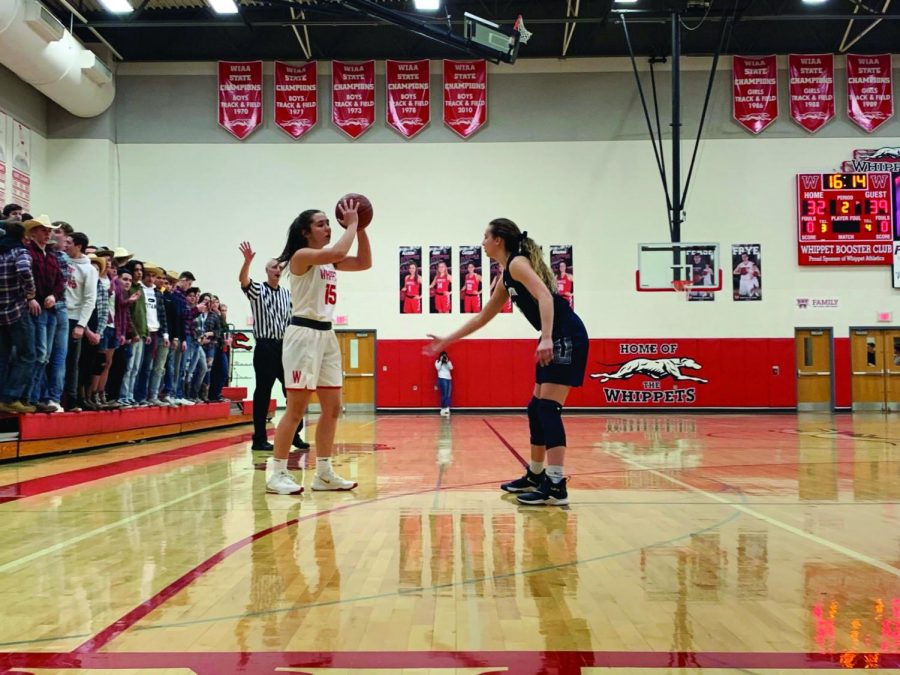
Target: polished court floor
[(714, 543)]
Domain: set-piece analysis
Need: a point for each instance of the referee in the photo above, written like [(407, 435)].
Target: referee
[(271, 308)]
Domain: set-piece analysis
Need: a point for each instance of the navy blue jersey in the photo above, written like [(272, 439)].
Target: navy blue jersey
[(520, 296)]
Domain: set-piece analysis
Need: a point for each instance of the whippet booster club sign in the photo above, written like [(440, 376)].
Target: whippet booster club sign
[(844, 218), (651, 373)]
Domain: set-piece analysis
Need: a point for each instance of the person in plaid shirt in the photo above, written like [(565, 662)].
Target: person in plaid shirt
[(17, 298)]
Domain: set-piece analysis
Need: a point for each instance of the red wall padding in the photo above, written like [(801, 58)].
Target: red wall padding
[(500, 373)]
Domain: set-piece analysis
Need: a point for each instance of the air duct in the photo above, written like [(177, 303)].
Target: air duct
[(38, 48)]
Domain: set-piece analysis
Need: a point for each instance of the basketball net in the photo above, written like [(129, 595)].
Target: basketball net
[(524, 33), (683, 286)]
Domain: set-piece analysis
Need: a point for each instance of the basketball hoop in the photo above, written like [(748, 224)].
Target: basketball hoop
[(683, 286), (524, 33)]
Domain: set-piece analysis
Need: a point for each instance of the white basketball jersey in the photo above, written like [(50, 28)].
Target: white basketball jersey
[(314, 293)]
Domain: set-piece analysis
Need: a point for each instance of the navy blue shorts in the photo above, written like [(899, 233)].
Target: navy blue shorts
[(570, 350)]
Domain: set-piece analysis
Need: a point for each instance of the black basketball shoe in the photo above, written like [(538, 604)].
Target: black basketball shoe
[(526, 483), (548, 492)]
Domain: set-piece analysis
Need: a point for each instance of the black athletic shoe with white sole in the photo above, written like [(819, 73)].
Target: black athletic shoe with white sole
[(526, 483), (548, 492)]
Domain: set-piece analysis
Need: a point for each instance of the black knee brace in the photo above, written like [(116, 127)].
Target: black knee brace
[(550, 415), (534, 422)]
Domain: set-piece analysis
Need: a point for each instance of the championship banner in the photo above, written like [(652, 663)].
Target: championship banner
[(441, 276), (811, 87), (4, 131), (408, 99), (746, 261), (296, 98), (561, 264), (465, 96), (240, 97), (470, 279), (21, 165), (410, 279), (755, 91), (497, 278), (870, 90), (353, 97)]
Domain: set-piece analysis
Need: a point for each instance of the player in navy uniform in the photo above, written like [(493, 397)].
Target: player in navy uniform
[(561, 354)]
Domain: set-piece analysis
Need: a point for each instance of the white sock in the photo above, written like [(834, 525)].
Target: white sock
[(536, 467), (555, 472), (279, 464), (323, 466)]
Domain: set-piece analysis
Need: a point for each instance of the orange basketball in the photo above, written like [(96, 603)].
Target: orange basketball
[(364, 210)]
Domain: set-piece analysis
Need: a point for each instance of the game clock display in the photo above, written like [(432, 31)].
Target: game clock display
[(845, 218)]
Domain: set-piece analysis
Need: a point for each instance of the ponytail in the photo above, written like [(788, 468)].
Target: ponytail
[(517, 241)]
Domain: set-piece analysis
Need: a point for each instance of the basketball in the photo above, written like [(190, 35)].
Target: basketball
[(364, 210)]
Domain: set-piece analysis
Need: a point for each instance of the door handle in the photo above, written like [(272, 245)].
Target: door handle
[(801, 372), (359, 374), (869, 372)]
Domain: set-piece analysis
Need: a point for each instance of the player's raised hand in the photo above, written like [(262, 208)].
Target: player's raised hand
[(347, 210), (436, 346), (247, 251)]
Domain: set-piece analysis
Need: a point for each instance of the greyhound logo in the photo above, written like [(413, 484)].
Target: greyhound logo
[(885, 153), (656, 369)]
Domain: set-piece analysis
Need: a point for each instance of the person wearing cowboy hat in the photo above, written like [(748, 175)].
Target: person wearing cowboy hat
[(157, 346), (121, 256), (49, 288)]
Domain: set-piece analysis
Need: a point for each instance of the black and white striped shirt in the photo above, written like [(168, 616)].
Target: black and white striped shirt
[(271, 308)]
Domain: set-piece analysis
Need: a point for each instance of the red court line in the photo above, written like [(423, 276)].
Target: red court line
[(119, 626), (506, 443), (38, 486), (517, 663)]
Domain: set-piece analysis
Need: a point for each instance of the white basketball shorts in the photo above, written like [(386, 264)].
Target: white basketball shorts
[(311, 359)]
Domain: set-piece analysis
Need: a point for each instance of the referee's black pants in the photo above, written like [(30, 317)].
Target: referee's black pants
[(268, 368)]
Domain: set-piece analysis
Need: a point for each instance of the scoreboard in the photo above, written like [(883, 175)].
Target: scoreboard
[(845, 218)]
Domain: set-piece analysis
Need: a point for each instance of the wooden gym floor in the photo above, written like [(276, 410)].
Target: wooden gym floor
[(716, 543)]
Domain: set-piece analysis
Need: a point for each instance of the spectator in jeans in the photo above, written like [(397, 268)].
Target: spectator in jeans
[(17, 298), (180, 330), (55, 378), (81, 299), (138, 311), (48, 281)]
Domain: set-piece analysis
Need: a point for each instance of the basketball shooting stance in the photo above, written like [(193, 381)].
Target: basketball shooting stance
[(312, 356), (561, 354)]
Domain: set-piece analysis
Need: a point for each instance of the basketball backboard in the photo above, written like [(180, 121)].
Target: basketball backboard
[(662, 266)]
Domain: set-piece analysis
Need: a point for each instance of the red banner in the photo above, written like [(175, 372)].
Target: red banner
[(240, 97), (870, 90), (21, 165), (811, 89), (465, 96), (755, 92), (408, 96), (353, 97), (296, 98)]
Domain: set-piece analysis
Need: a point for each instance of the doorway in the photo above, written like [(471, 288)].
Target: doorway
[(875, 363), (815, 369)]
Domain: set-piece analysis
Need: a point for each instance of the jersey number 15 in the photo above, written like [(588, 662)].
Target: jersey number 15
[(330, 294)]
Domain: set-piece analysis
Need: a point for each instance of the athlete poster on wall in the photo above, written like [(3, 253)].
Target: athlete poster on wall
[(561, 264), (746, 270), (410, 279), (440, 274), (703, 273), (470, 279), (497, 278)]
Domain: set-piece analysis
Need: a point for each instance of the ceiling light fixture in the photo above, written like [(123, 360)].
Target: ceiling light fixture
[(428, 5), (117, 6), (223, 6)]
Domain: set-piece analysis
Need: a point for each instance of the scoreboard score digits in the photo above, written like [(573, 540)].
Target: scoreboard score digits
[(845, 218)]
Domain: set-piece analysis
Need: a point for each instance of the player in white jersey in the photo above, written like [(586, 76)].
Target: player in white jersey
[(311, 355), (749, 272)]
